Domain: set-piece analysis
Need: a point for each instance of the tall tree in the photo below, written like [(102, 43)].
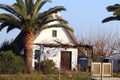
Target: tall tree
[(26, 15), (116, 13)]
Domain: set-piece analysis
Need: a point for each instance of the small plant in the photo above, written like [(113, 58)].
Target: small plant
[(47, 66)]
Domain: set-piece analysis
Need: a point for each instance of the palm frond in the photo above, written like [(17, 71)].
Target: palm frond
[(9, 20), (113, 7), (49, 26), (38, 5), (43, 3), (8, 9), (11, 27), (56, 25), (20, 10), (111, 19), (40, 16), (20, 2), (116, 12), (8, 17), (3, 25), (53, 20), (51, 11), (35, 8), (29, 5), (20, 7)]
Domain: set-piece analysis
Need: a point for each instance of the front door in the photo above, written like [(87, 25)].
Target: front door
[(66, 60)]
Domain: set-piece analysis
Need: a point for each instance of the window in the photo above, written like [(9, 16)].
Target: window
[(54, 33), (37, 54)]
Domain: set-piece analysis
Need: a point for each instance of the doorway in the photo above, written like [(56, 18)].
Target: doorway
[(66, 60)]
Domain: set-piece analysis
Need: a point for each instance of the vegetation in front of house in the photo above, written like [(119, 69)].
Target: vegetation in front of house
[(11, 63), (74, 76), (12, 68), (47, 66)]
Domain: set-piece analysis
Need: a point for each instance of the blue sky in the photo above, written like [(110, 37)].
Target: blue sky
[(84, 16)]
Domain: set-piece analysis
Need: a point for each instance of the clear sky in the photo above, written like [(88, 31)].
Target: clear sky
[(83, 16)]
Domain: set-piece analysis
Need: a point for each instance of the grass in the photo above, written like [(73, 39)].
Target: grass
[(64, 76)]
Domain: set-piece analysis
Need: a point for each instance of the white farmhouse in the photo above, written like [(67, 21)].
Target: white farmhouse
[(54, 43), (49, 44)]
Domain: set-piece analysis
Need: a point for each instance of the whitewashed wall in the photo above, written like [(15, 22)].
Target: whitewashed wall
[(55, 55), (46, 36)]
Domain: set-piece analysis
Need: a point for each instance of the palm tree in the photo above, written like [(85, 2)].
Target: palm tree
[(25, 15), (116, 13)]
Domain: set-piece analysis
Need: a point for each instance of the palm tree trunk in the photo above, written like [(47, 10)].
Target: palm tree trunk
[(28, 50)]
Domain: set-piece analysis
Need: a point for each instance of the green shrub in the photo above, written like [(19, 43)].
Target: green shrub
[(47, 66), (10, 63)]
